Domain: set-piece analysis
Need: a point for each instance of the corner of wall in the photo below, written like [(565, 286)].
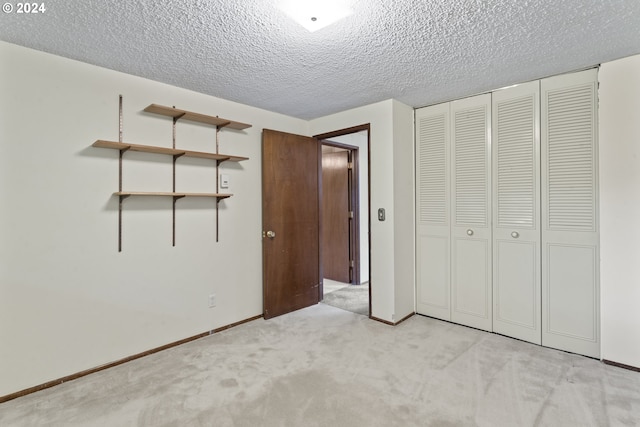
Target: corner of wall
[(404, 203), (619, 173)]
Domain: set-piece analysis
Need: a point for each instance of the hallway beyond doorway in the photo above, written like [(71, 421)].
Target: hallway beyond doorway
[(353, 298)]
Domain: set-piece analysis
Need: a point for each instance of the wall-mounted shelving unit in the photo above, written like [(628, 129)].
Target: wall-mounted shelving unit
[(176, 114)]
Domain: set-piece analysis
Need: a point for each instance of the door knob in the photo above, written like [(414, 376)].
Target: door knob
[(469, 232), (515, 234), (271, 234)]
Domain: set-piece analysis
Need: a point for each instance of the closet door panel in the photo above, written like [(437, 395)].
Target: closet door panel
[(433, 212), (471, 296), (471, 291), (516, 207), (571, 273), (433, 279), (570, 269), (517, 289)]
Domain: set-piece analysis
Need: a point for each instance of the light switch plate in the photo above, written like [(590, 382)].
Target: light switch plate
[(224, 180)]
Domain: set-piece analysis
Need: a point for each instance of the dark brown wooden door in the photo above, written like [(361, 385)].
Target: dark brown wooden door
[(335, 216), (290, 221)]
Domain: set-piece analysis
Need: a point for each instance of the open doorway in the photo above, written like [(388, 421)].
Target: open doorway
[(292, 256), (344, 210)]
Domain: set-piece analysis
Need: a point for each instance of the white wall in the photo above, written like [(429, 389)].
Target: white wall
[(619, 141), (404, 208), (382, 139), (360, 140), (68, 300)]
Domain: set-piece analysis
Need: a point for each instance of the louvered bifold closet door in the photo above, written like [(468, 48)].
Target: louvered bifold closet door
[(570, 251), (516, 209), (471, 212), (432, 216)]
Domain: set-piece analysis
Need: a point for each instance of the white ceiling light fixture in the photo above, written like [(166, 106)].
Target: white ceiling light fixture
[(315, 14)]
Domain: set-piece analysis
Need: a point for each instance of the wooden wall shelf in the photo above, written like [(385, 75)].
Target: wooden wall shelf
[(169, 151), (176, 114), (173, 194)]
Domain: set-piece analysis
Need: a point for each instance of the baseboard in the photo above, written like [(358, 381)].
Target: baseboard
[(81, 374), (405, 318), (386, 322), (621, 365)]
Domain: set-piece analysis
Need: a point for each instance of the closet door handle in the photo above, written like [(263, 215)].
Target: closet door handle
[(515, 234), (469, 232)]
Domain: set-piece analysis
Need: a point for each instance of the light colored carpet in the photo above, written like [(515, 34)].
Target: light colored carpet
[(353, 298), (323, 366), (329, 285)]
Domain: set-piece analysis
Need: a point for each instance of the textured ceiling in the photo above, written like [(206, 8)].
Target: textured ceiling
[(417, 51)]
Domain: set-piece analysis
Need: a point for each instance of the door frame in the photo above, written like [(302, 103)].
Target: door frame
[(322, 138), (354, 203)]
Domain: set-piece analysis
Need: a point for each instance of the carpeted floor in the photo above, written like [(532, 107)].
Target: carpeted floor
[(353, 298), (322, 366)]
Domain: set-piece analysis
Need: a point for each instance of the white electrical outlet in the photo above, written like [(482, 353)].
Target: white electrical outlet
[(212, 300)]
